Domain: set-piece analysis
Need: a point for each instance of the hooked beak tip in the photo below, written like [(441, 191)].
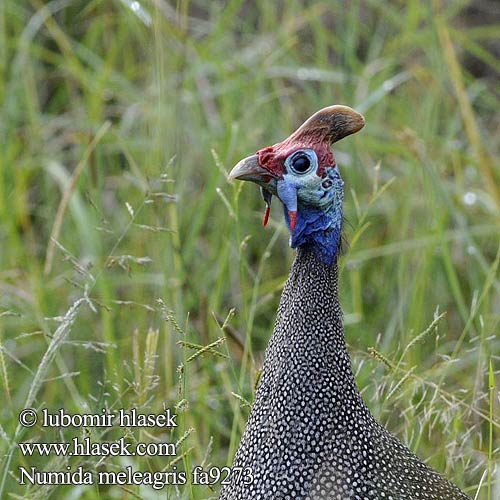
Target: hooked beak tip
[(248, 169)]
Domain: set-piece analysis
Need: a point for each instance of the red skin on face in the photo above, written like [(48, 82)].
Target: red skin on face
[(273, 158), (318, 132), (266, 215)]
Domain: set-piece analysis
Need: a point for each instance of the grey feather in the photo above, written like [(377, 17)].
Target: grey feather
[(309, 435)]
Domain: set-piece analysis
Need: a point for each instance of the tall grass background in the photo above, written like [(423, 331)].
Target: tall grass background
[(125, 252)]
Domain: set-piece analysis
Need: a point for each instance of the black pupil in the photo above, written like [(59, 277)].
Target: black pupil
[(301, 163)]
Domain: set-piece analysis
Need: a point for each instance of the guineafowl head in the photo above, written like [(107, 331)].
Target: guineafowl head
[(301, 171)]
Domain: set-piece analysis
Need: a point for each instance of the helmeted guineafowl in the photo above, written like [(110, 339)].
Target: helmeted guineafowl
[(309, 435)]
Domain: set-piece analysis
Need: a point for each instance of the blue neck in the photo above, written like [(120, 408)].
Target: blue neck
[(319, 230)]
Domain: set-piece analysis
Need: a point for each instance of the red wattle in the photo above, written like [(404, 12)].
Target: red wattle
[(266, 215), (293, 219)]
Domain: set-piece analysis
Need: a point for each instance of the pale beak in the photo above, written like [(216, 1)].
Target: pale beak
[(249, 169)]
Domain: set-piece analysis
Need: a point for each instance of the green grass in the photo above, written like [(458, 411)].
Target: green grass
[(117, 131)]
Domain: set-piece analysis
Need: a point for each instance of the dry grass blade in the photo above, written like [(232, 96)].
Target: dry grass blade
[(469, 119), (242, 400), (423, 335), (380, 357), (63, 205), (5, 377), (199, 347), (208, 348), (58, 338), (178, 458)]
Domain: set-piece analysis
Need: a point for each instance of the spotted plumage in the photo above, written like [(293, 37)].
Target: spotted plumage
[(309, 435)]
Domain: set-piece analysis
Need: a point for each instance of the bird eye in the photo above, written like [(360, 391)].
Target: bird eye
[(301, 162)]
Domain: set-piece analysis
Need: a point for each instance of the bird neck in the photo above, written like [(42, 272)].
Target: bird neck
[(307, 350), (318, 230)]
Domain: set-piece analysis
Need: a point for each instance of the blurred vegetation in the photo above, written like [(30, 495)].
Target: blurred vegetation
[(119, 121)]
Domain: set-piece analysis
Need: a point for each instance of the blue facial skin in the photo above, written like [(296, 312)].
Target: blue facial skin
[(318, 202)]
